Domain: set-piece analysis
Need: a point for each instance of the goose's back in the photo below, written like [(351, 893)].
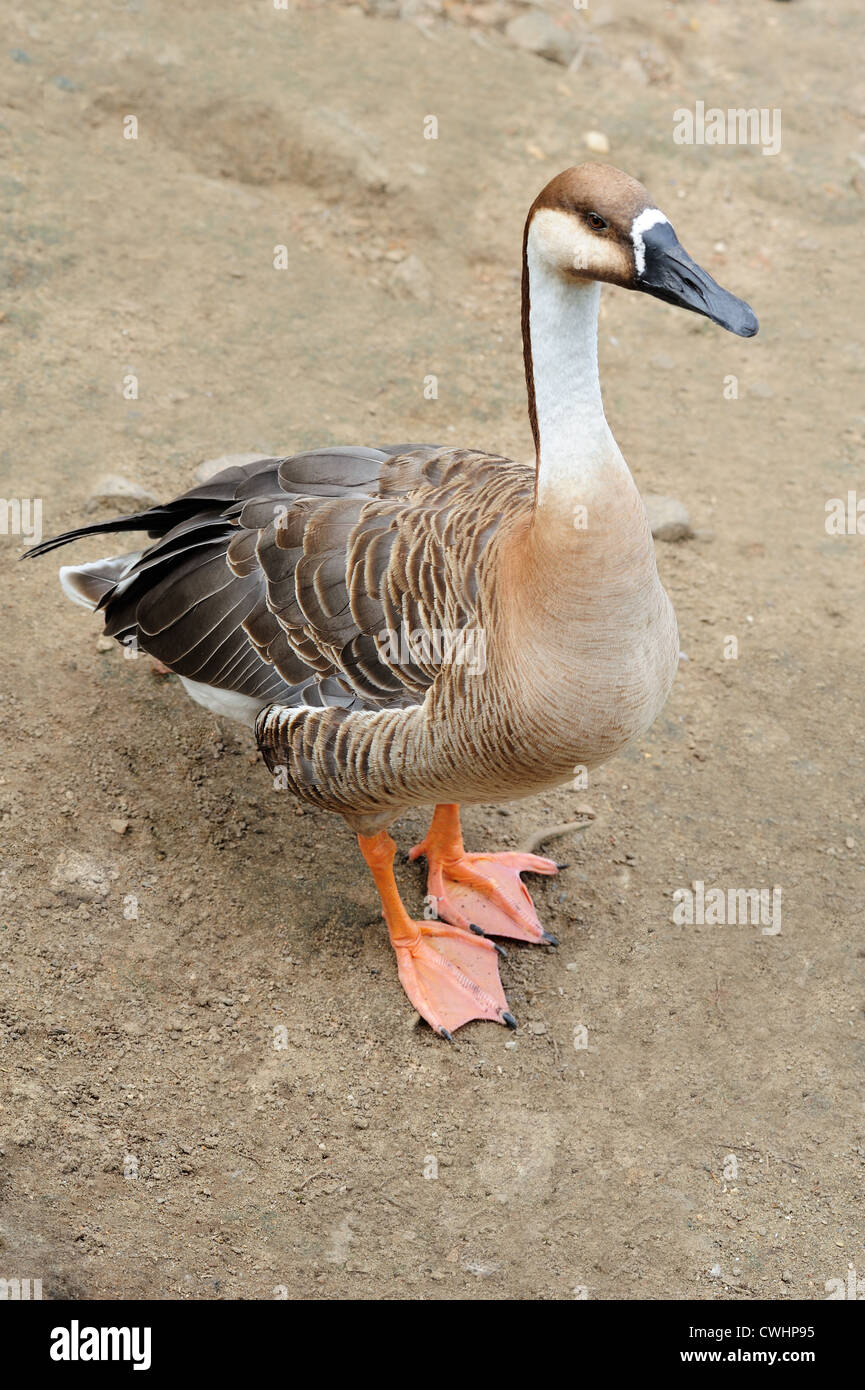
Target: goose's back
[(310, 579)]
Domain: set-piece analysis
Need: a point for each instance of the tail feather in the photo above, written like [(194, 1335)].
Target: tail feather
[(216, 495), (155, 522), (88, 584)]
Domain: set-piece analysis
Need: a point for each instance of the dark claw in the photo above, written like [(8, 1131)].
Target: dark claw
[(550, 939), (479, 931), (564, 866), (509, 1020), (443, 1033)]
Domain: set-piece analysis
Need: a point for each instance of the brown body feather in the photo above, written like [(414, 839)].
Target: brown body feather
[(578, 637), (299, 583)]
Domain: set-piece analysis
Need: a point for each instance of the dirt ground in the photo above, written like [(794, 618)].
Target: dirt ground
[(211, 1084)]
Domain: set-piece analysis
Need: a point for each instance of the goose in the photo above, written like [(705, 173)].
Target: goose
[(419, 625)]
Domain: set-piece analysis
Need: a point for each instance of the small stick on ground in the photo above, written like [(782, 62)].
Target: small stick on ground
[(549, 832), (322, 1173)]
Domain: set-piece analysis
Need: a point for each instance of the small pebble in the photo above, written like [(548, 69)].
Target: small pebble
[(411, 278), (668, 518), (79, 877), (112, 490), (596, 141), (539, 33)]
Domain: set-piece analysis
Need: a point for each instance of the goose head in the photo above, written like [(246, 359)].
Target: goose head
[(592, 222)]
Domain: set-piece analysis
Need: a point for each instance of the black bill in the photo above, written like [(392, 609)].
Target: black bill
[(670, 274)]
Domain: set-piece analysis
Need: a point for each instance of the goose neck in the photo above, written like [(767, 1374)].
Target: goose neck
[(575, 450)]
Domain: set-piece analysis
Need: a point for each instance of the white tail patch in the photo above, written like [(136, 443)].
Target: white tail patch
[(244, 708), (85, 584)]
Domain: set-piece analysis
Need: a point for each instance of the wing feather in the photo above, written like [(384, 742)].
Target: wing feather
[(308, 579)]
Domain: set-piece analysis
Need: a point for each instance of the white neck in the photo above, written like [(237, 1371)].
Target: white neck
[(575, 445)]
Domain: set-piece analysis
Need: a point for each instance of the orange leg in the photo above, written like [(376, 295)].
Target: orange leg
[(449, 976), (481, 891)]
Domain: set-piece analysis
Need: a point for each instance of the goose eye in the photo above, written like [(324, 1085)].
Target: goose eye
[(598, 222)]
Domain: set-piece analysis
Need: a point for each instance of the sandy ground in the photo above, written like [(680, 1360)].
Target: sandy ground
[(158, 1137)]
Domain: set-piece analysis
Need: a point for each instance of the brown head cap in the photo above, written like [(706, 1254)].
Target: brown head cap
[(600, 204), (597, 188)]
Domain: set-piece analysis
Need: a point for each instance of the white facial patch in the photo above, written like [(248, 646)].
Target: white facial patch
[(561, 239), (649, 217)]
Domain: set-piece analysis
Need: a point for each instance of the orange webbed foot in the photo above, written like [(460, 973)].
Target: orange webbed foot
[(452, 977), (481, 890)]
